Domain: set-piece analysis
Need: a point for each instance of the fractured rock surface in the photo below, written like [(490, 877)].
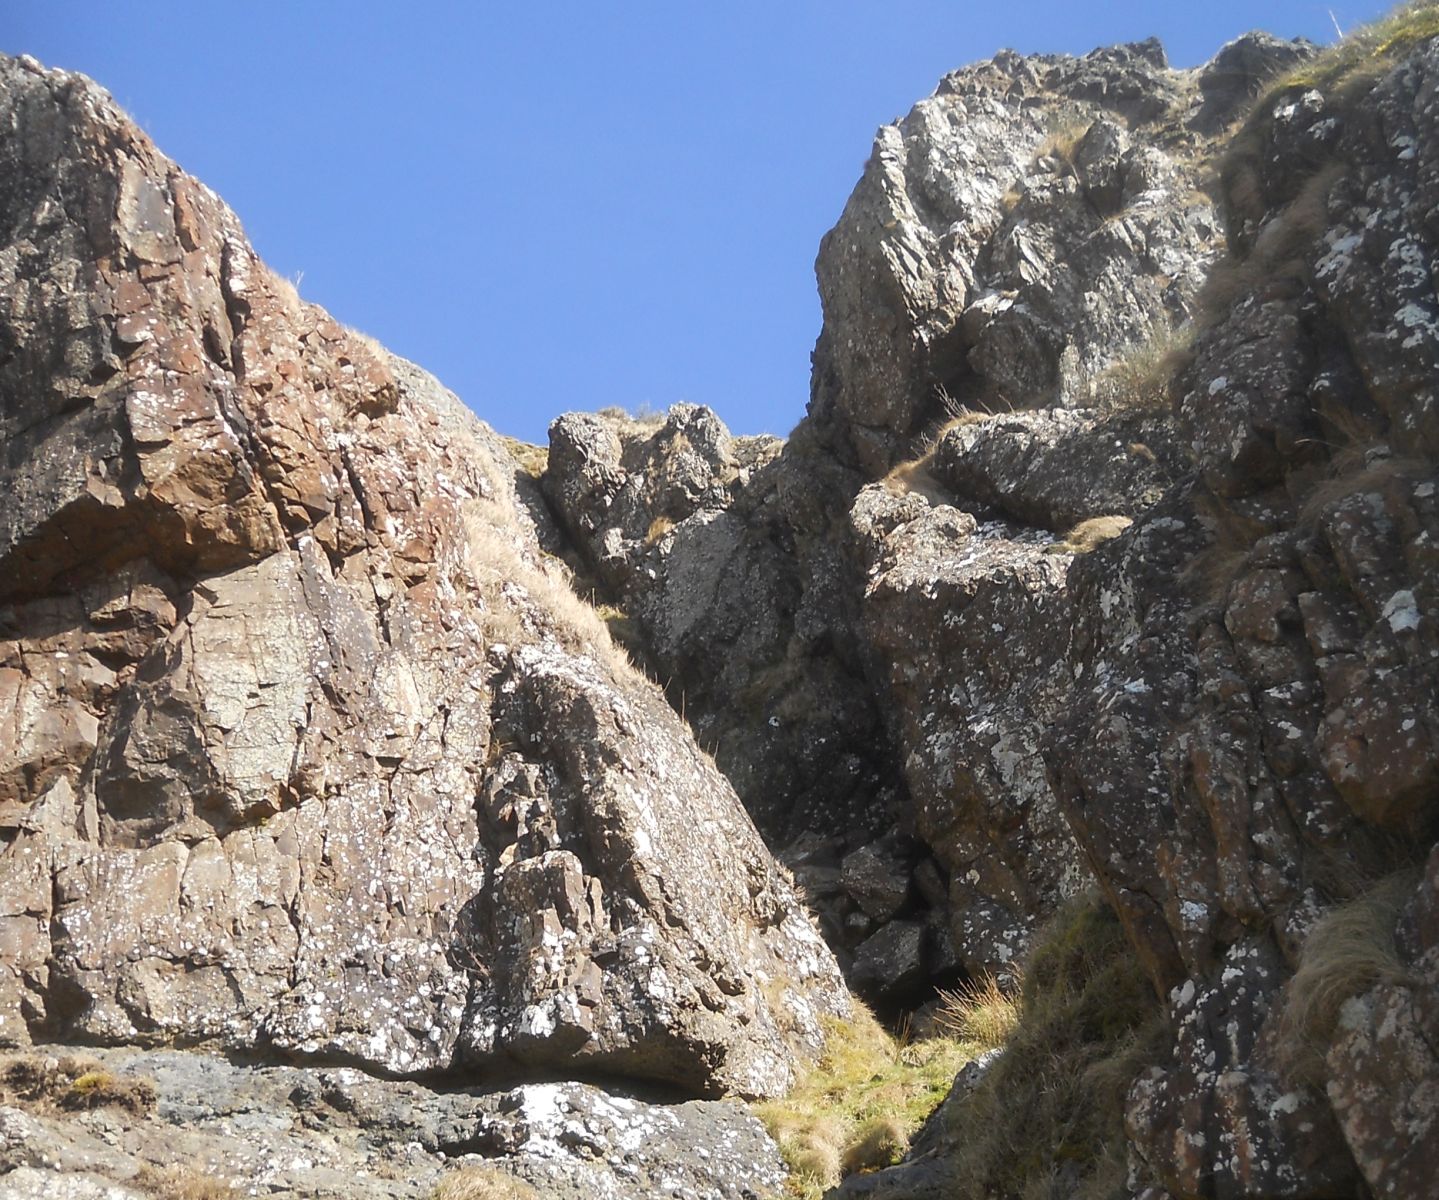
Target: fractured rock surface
[(308, 749), (336, 1132)]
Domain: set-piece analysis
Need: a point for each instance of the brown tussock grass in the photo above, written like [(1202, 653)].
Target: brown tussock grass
[(183, 1183), (1141, 381), (1350, 950), (980, 1012), (1090, 535), (482, 1183)]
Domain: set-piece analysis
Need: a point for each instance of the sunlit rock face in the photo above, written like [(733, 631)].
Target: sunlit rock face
[(1020, 231), (1103, 558), (308, 750), (1157, 622)]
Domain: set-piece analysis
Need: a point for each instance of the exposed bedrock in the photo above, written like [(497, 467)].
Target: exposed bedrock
[(309, 750)]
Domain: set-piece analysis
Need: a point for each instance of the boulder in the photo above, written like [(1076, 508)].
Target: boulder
[(312, 752)]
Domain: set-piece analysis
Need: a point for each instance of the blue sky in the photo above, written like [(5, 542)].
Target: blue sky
[(557, 206)]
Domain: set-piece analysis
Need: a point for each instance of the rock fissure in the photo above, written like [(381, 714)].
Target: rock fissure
[(1102, 558)]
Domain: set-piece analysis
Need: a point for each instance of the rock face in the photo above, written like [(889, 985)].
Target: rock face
[(1259, 699), (336, 1132), (1104, 557), (1009, 239), (308, 751), (1035, 215), (1167, 627)]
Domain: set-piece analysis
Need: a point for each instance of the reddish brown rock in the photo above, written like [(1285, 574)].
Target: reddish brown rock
[(309, 750)]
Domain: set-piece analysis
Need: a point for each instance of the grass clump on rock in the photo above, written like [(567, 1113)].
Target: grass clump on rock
[(72, 1083), (1088, 1022), (858, 1106), (482, 1183), (183, 1183), (1350, 950)]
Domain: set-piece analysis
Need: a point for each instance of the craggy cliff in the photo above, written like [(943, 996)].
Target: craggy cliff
[(1102, 564), (308, 750)]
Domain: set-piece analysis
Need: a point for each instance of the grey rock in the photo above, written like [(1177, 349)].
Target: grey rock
[(289, 770), (1054, 468), (337, 1132)]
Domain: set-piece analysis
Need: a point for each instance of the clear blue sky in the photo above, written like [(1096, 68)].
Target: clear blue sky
[(557, 206)]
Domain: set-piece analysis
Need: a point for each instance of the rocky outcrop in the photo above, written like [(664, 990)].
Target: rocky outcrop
[(309, 750), (1278, 627), (1103, 556), (336, 1132), (1010, 239), (1000, 208)]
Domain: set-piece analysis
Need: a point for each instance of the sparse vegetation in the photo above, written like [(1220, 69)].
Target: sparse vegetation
[(1280, 260), (1355, 472), (1089, 535), (660, 526), (1350, 950), (73, 1083), (1139, 382), (980, 1013), (1209, 574), (1063, 142), (1084, 1023), (1342, 73), (482, 1183), (914, 474), (1088, 1022), (857, 1108), (526, 599), (644, 416), (531, 459), (1360, 55), (624, 629), (183, 1183)]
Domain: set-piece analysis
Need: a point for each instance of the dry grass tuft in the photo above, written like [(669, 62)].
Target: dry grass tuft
[(1350, 950), (658, 528), (915, 474), (1062, 143), (624, 630), (1089, 535), (482, 1183), (1212, 572), (527, 600), (100, 1089), (867, 1091), (183, 1183), (1140, 382), (75, 1083), (1356, 470), (1362, 55), (644, 416), (981, 1012), (1280, 260), (879, 1142), (531, 459)]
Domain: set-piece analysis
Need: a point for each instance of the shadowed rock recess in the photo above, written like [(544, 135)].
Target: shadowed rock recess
[(1104, 560)]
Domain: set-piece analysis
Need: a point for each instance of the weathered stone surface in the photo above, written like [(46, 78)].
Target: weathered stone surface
[(1234, 77), (1007, 241), (334, 1132), (1257, 729), (307, 749), (1054, 468), (970, 620), (312, 751)]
